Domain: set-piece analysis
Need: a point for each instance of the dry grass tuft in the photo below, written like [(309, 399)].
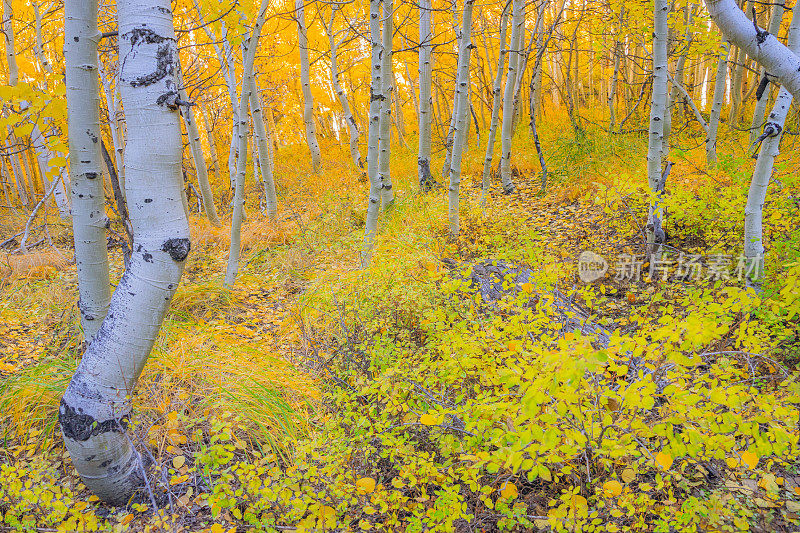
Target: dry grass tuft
[(38, 264), (259, 231)]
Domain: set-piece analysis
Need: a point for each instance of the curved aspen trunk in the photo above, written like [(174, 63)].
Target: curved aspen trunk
[(764, 47), (459, 139), (716, 105), (385, 130), (658, 104), (763, 98), (264, 155), (308, 109), (88, 196), (426, 181), (19, 181), (496, 100), (248, 57), (96, 406), (376, 90), (517, 38), (352, 127), (770, 148), (196, 147)]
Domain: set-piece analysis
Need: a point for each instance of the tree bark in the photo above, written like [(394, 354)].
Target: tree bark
[(655, 231), (385, 131), (464, 54), (517, 37), (305, 80), (763, 98), (376, 94), (426, 180), (496, 101), (716, 106), (96, 406), (264, 155)]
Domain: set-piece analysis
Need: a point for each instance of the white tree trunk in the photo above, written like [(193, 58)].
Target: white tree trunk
[(248, 60), (11, 55), (352, 127), (761, 103), (373, 147), (305, 81), (762, 46), (212, 144), (96, 406), (264, 156), (716, 106), (770, 148), (196, 147), (496, 101), (88, 196), (658, 104), (680, 68), (385, 130), (517, 40), (459, 139), (425, 68)]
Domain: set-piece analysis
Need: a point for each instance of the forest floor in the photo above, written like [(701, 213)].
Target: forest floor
[(316, 395)]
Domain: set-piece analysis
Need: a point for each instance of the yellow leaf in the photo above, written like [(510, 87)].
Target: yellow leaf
[(628, 475), (127, 518), (365, 485), (750, 459), (514, 346), (612, 488), (178, 461), (664, 460), (509, 491), (429, 420), (326, 511)]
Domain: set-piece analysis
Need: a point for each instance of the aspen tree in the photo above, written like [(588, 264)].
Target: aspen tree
[(341, 96), (517, 41), (658, 104), (196, 147), (376, 90), (425, 98), (248, 61), (8, 30), (88, 197), (96, 406), (496, 101), (763, 98), (262, 144), (385, 128), (459, 140), (770, 149), (305, 80), (716, 104)]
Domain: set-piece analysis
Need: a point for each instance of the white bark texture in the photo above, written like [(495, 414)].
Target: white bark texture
[(761, 103), (196, 147), (305, 81), (517, 41), (11, 55), (376, 93), (385, 130), (716, 105), (88, 196), (96, 405), (248, 60), (115, 124), (770, 148), (459, 139), (425, 99), (680, 69), (262, 144), (496, 101), (658, 104), (760, 45)]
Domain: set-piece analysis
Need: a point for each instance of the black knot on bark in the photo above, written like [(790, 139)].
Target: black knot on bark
[(177, 248), (81, 427), (169, 99)]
